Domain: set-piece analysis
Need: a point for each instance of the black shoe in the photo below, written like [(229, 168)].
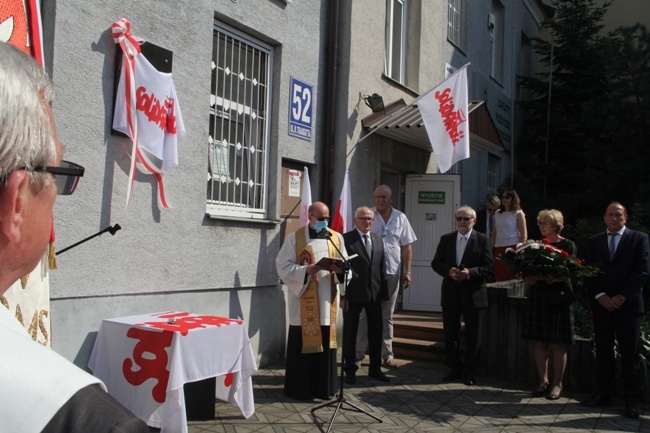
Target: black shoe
[(350, 378), (540, 392), (452, 376), (379, 375), (631, 410), (598, 401), (469, 380)]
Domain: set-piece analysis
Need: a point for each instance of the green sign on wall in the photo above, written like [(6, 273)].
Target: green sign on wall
[(431, 197)]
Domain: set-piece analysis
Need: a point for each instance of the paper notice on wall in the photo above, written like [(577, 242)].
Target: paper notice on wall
[(294, 183)]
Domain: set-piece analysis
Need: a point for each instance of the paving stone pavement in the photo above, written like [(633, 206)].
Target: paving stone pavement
[(415, 401)]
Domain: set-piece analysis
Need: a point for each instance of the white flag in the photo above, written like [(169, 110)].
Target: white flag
[(444, 113), (305, 199)]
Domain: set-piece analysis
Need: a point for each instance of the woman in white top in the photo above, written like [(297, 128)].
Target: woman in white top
[(509, 230)]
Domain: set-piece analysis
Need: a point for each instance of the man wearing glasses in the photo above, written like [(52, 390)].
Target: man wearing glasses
[(464, 260), (485, 217), (313, 302), (42, 390), (366, 292)]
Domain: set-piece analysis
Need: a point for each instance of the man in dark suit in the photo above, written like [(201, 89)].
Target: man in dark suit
[(366, 291), (485, 216), (617, 303), (464, 260)]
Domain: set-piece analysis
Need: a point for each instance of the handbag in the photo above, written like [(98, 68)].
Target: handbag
[(560, 294)]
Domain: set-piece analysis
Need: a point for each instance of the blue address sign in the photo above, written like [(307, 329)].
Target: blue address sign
[(300, 109)]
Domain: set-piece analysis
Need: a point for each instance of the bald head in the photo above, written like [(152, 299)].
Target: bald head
[(318, 211)]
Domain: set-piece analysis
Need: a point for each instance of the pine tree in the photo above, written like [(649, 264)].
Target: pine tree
[(558, 138)]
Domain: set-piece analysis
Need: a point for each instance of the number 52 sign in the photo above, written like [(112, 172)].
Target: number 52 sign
[(300, 109)]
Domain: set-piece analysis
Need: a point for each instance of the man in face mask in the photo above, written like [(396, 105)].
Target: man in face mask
[(313, 289)]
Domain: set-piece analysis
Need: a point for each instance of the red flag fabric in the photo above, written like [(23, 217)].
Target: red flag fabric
[(444, 113), (342, 221), (305, 199)]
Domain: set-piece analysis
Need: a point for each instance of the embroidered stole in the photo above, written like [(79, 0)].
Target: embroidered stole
[(312, 341)]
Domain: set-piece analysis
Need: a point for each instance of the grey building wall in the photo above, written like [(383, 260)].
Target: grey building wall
[(178, 258), (362, 73)]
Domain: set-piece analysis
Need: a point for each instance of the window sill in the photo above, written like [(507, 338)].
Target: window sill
[(402, 86), (242, 219)]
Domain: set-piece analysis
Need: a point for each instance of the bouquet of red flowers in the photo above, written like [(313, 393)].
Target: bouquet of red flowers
[(542, 260)]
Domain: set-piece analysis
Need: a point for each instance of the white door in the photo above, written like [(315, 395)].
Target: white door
[(430, 203)]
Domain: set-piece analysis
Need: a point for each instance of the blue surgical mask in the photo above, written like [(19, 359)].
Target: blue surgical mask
[(320, 225)]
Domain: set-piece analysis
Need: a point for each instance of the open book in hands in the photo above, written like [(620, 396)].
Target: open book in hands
[(325, 262)]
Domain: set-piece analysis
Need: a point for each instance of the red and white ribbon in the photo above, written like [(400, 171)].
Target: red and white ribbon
[(130, 45)]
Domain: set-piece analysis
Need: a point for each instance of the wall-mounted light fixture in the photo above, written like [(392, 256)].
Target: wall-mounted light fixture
[(375, 102)]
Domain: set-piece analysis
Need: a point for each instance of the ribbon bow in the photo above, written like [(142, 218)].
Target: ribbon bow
[(130, 45), (122, 35)]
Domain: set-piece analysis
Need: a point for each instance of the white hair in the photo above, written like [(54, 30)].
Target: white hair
[(362, 209), (467, 209), (26, 132)]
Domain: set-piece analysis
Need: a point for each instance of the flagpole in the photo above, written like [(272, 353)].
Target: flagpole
[(387, 120)]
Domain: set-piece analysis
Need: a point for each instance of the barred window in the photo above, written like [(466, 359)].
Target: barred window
[(239, 138), (493, 174), (455, 22)]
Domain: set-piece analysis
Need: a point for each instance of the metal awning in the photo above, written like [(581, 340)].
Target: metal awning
[(403, 123)]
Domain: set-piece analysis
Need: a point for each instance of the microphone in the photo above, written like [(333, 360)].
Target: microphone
[(114, 229), (461, 267), (110, 229), (323, 234)]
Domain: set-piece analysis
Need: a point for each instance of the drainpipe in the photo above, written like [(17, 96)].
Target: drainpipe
[(330, 102), (513, 93)]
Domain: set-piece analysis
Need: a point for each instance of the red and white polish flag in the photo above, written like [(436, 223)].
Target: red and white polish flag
[(342, 221)]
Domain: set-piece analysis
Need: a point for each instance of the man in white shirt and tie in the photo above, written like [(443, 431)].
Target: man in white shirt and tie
[(623, 256), (367, 291), (464, 260)]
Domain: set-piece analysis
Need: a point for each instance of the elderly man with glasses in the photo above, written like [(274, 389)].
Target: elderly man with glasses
[(42, 391), (367, 291), (464, 260)]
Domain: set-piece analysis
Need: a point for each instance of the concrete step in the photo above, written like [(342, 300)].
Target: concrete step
[(406, 348), (419, 336), (415, 332)]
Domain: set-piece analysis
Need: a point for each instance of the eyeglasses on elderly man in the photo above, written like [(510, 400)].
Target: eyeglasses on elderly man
[(66, 176)]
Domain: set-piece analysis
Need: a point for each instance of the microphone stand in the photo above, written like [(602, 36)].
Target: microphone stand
[(340, 401), (111, 229)]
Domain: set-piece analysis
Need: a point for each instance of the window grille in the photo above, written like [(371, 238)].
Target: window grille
[(239, 125), (455, 22), (493, 174)]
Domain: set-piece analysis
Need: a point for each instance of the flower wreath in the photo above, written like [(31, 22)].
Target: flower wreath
[(541, 259)]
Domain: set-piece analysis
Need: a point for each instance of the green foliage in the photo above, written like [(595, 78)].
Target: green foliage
[(589, 146)]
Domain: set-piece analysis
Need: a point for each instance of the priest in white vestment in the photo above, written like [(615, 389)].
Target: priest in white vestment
[(313, 301)]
